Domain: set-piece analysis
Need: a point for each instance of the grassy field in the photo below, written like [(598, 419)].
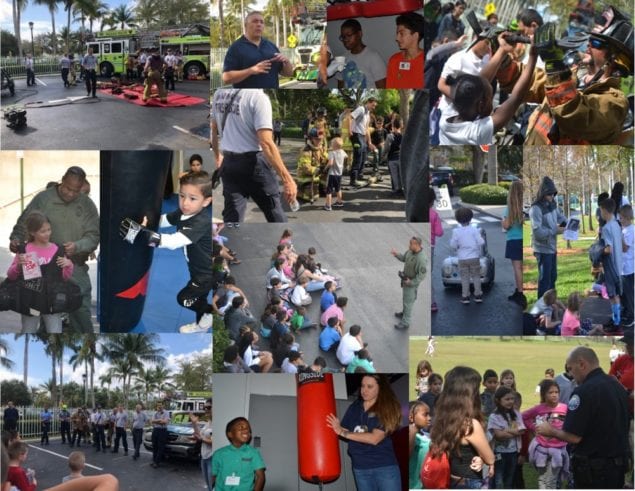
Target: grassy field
[(574, 267), (528, 357)]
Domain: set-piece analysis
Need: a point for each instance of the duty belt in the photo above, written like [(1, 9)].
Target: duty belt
[(244, 154)]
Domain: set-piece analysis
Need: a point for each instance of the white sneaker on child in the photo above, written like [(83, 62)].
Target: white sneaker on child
[(202, 326)]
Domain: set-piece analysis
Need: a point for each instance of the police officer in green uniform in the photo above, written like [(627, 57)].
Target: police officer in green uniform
[(75, 225), (413, 273), (597, 424)]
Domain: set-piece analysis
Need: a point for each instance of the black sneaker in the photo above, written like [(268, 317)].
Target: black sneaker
[(478, 298), (514, 296), (398, 315), (465, 300)]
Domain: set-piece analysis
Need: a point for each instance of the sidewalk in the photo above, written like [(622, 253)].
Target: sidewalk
[(493, 210)]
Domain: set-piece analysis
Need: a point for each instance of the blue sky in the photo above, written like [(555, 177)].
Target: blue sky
[(177, 347), (41, 17)]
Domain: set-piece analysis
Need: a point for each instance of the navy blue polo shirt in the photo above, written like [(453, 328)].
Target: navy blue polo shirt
[(244, 54), (598, 412)]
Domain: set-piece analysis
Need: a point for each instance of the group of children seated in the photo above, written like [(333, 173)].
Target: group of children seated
[(291, 279)]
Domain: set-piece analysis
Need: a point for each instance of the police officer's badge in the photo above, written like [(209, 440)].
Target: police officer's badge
[(574, 402)]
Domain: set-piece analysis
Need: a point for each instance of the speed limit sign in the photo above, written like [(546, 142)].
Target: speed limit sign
[(442, 202)]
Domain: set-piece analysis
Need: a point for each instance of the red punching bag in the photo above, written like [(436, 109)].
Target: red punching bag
[(318, 445)]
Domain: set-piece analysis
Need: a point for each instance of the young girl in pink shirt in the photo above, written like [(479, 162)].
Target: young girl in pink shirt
[(548, 454), (49, 258), (571, 326), (436, 230)]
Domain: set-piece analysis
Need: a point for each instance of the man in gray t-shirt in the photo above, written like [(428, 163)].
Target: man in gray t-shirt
[(139, 420), (121, 421), (247, 156)]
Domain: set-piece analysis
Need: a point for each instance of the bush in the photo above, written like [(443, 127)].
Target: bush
[(463, 177), (505, 184), (221, 341), (484, 194), (292, 132)]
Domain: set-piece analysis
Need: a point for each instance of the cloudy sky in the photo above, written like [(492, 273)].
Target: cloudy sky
[(177, 346)]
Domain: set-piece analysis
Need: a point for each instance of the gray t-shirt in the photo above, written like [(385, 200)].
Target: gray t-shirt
[(250, 111), (139, 420), (338, 157), (121, 419), (363, 69)]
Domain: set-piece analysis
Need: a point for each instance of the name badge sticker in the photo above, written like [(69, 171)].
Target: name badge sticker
[(404, 65), (232, 480)]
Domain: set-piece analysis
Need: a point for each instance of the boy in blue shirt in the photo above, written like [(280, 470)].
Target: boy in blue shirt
[(239, 466), (612, 260), (328, 296), (330, 335)]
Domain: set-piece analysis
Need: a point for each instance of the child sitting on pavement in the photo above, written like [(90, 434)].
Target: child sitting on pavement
[(328, 297), (76, 463), (300, 296), (300, 321), (547, 313), (571, 325), (331, 335)]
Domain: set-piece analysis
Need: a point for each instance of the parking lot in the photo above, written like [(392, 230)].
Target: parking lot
[(50, 467), (59, 117)]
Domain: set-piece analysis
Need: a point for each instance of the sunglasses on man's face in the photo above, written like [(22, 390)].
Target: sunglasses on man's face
[(597, 43)]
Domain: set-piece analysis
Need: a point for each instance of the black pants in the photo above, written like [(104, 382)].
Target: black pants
[(91, 82), (120, 434), (627, 297), (30, 77), (249, 175), (137, 439), (100, 437), (159, 439), (78, 434), (11, 425), (65, 430), (598, 473), (194, 297), (65, 76), (277, 137), (169, 78), (46, 427)]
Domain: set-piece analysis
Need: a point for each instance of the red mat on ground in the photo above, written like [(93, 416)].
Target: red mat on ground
[(174, 99)]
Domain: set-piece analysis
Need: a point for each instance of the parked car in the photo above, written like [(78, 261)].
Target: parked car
[(450, 267), (443, 176), (508, 178), (181, 442)]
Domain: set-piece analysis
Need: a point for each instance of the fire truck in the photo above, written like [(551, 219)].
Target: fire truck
[(309, 22), (113, 47)]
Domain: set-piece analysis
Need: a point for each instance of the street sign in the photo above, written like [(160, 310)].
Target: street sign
[(443, 202)]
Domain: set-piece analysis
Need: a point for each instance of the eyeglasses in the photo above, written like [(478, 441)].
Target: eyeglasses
[(597, 43), (347, 36)]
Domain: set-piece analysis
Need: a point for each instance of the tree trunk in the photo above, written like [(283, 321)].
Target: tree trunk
[(477, 164), (404, 106), (16, 26), (54, 35), (492, 165), (61, 360), (68, 32), (25, 371), (284, 22), (220, 19), (92, 375), (53, 379)]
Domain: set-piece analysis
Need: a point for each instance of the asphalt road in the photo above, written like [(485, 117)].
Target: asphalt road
[(375, 203), (496, 315), (105, 123), (360, 255), (50, 465)]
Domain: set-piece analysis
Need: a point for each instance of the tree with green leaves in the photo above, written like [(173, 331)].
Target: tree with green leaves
[(52, 7), (122, 17), (5, 361), (16, 391)]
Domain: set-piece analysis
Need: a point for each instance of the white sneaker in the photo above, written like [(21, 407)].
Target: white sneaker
[(202, 326)]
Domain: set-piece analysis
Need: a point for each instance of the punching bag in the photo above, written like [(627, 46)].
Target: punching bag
[(318, 446), (132, 186)]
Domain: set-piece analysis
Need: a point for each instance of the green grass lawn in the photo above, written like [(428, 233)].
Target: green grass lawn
[(528, 357), (574, 267)]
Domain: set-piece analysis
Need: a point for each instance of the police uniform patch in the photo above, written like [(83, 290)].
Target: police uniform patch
[(574, 402)]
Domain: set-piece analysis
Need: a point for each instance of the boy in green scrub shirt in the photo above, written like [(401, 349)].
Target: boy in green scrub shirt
[(238, 467)]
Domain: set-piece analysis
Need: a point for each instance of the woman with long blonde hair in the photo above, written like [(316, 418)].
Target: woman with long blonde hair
[(367, 425), (513, 226)]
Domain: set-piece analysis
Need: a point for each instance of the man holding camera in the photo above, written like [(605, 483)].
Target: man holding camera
[(412, 275)]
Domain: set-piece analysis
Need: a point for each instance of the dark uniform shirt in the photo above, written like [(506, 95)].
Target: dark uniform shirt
[(598, 412), (198, 229), (244, 54)]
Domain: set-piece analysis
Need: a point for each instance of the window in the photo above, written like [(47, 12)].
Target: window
[(116, 47), (106, 48)]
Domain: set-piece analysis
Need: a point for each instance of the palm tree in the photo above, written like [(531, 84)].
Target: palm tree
[(122, 369), (105, 379), (4, 350), (124, 16), (146, 383), (98, 11), (85, 352), (162, 378), (147, 13), (18, 6), (25, 368), (52, 6), (68, 7), (129, 352)]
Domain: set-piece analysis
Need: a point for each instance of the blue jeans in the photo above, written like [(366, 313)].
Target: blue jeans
[(504, 470), (385, 478), (315, 286), (467, 483), (206, 467), (547, 272)]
